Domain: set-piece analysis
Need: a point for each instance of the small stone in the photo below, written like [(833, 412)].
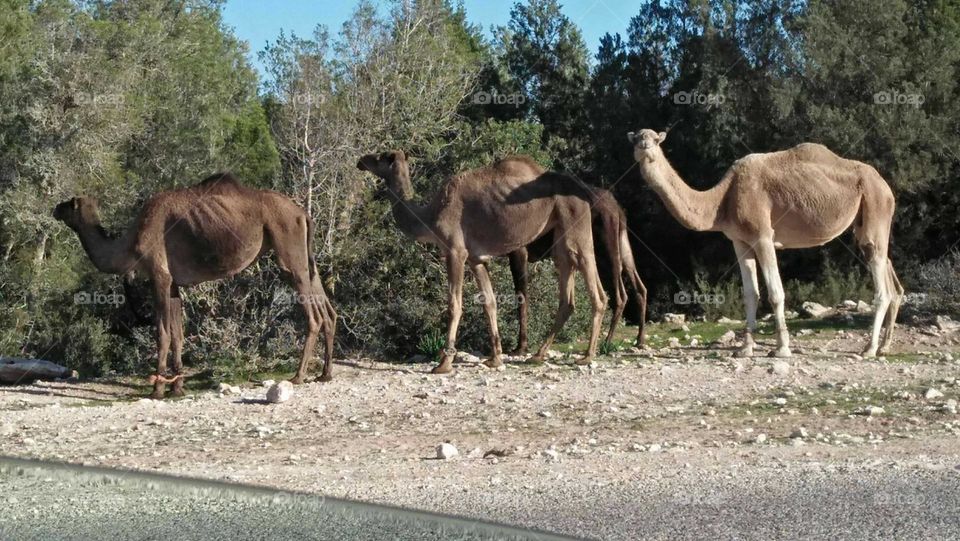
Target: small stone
[(780, 368), (848, 304), (760, 438), (799, 433), (552, 454), (872, 411), (945, 324), (950, 406), (674, 342), (864, 308), (446, 451), (932, 394), (655, 448), (546, 414), (280, 392), (268, 383)]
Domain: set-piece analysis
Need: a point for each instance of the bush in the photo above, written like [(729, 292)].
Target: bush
[(939, 280)]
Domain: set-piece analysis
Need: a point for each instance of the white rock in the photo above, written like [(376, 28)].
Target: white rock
[(446, 451), (728, 338), (268, 383), (655, 448), (946, 324), (546, 414), (761, 438), (674, 319), (280, 392), (815, 310), (727, 321), (932, 394), (848, 304), (864, 308), (799, 433), (674, 342), (780, 368), (552, 454)]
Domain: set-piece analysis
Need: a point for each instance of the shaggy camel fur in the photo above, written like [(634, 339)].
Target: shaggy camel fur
[(797, 198), (206, 232), (490, 212), (610, 226)]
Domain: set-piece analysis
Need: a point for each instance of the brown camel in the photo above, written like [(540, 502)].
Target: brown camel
[(490, 212), (206, 232), (610, 225), (796, 198)]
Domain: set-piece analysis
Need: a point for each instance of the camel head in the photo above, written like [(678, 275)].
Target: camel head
[(646, 145), (77, 212), (385, 165), (392, 167)]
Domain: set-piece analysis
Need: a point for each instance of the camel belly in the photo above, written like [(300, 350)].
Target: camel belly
[(795, 229)]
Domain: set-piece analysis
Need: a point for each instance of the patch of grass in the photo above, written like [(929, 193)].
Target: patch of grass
[(431, 343)]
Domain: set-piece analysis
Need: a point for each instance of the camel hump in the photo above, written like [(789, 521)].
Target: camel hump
[(517, 162), (224, 179)]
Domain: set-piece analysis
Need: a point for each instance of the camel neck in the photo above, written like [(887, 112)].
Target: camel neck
[(412, 219), (694, 209), (108, 255)]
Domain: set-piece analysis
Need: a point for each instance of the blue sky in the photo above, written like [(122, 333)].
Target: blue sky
[(260, 21)]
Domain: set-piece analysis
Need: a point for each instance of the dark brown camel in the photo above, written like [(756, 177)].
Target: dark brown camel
[(489, 212), (207, 232), (609, 227)]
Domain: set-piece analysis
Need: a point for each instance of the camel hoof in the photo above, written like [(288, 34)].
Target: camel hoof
[(176, 393), (536, 359), (746, 351), (442, 369), (519, 351), (325, 378), (781, 353), (869, 353), (157, 394), (296, 380), (583, 361), (493, 362)]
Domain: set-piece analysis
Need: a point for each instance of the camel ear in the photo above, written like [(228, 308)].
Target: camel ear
[(75, 202), (661, 137), (397, 156), (632, 137)]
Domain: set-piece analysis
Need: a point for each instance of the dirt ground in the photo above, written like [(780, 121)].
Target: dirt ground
[(533, 431)]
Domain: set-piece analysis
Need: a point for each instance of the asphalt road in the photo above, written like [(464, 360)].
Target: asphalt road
[(872, 503)]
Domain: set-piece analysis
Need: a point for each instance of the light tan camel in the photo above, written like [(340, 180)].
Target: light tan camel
[(796, 198), (489, 212), (206, 232), (610, 229)]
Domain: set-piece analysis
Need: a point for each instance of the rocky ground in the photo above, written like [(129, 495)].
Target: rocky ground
[(555, 446)]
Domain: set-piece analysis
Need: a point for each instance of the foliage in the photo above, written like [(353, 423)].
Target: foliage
[(120, 100)]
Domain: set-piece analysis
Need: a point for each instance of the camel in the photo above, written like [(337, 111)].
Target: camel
[(610, 225), (489, 212), (201, 233), (797, 198)]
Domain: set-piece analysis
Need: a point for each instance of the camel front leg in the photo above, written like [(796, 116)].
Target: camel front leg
[(640, 290), (518, 269), (896, 292), (490, 308), (747, 260), (455, 263), (767, 256), (566, 305)]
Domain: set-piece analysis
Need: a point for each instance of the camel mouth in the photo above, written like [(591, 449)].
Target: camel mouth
[(360, 165)]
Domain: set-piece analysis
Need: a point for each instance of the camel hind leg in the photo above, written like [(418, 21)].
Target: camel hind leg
[(598, 301), (896, 299), (518, 270), (872, 231)]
